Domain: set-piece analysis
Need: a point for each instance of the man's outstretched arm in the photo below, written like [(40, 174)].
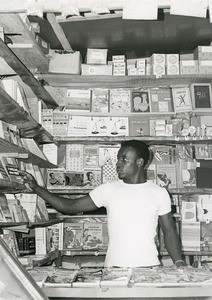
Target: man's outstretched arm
[(61, 204)]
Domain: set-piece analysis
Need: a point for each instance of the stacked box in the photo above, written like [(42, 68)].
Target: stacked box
[(205, 66), (188, 67), (96, 69), (203, 53), (158, 62), (172, 64), (69, 63), (119, 65)]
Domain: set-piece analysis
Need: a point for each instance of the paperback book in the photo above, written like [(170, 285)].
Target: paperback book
[(72, 236), (61, 278), (88, 277), (100, 100), (116, 277), (95, 236)]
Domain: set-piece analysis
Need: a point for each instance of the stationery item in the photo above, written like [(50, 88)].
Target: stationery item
[(78, 126), (78, 100), (161, 100), (190, 236), (74, 157), (55, 178)]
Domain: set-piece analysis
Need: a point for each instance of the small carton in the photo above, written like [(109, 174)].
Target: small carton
[(118, 58), (96, 69), (69, 63), (158, 70), (158, 59), (189, 67), (96, 56), (203, 53), (205, 66)]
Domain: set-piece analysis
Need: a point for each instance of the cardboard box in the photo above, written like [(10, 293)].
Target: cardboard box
[(189, 67), (158, 59), (203, 53), (118, 58), (158, 70), (96, 70), (172, 69), (69, 63), (205, 66), (96, 56)]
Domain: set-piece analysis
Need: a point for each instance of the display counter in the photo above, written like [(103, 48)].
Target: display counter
[(189, 292)]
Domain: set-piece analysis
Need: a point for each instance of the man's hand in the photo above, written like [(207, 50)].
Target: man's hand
[(180, 263), (29, 180)]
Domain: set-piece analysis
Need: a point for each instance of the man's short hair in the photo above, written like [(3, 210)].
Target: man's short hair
[(141, 148)]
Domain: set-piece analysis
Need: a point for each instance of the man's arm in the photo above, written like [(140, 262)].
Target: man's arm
[(63, 205), (171, 238)]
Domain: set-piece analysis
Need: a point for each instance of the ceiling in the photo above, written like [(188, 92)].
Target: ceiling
[(133, 38)]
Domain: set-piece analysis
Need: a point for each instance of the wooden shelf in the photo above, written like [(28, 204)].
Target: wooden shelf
[(154, 140), (70, 252), (27, 77), (7, 147), (175, 191), (13, 113), (96, 81), (31, 225)]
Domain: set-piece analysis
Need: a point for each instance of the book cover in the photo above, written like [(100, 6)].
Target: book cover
[(47, 119), (140, 102), (74, 179), (28, 202), (61, 278), (100, 100), (138, 126), (72, 236), (94, 236), (92, 178), (166, 175), (181, 99), (11, 167), (10, 239), (161, 100), (55, 178), (88, 277), (78, 99), (120, 101), (163, 154), (54, 232), (5, 213), (116, 277)]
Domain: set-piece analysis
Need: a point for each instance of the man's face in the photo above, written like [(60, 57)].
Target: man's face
[(126, 166)]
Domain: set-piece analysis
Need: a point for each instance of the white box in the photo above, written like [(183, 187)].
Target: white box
[(158, 59), (189, 67), (69, 63), (172, 59), (97, 69), (173, 69), (118, 58), (203, 53), (96, 56), (158, 70), (140, 63)]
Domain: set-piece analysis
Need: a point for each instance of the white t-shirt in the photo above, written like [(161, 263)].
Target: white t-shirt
[(132, 212)]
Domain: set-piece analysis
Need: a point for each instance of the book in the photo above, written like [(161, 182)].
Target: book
[(99, 126), (116, 276), (190, 236), (28, 202), (78, 99), (118, 126), (161, 100), (138, 126), (5, 214), (140, 102), (120, 101), (61, 278), (88, 277), (95, 236), (10, 239), (54, 232), (26, 242), (72, 235), (74, 157), (47, 119), (181, 99), (100, 100), (11, 167), (166, 175), (78, 126), (55, 178), (4, 131)]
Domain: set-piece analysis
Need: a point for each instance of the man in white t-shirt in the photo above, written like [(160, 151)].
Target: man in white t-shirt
[(134, 208)]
